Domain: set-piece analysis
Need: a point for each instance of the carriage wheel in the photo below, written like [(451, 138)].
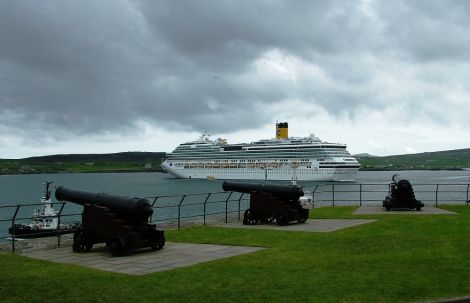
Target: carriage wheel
[(159, 242), (117, 246), (81, 243), (303, 216), (249, 219), (268, 220), (282, 220)]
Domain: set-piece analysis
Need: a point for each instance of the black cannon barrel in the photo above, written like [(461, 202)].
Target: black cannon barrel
[(293, 192), (132, 209)]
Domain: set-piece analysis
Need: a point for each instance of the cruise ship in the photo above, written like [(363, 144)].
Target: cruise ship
[(280, 158)]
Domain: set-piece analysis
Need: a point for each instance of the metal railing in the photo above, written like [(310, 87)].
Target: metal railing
[(373, 194), (169, 211), (18, 217), (198, 208)]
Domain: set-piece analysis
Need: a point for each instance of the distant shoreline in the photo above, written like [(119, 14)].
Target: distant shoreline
[(131, 162), (162, 171), (85, 172)]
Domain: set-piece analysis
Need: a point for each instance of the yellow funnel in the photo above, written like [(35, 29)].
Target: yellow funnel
[(282, 130)]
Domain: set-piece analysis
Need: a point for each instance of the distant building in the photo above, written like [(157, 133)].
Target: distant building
[(25, 169), (148, 165)]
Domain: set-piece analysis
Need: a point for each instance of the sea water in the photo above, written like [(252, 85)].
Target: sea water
[(24, 189), (27, 189)]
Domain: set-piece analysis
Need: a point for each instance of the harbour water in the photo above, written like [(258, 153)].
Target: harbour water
[(27, 189)]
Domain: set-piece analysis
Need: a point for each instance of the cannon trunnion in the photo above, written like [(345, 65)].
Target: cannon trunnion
[(401, 195), (269, 202), (120, 222)]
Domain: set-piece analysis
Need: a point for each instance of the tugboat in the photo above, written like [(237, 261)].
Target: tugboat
[(44, 222)]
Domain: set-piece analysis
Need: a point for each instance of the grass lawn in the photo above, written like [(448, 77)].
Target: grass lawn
[(399, 258)]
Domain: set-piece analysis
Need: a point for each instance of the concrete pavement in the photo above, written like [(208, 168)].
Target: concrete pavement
[(144, 261)]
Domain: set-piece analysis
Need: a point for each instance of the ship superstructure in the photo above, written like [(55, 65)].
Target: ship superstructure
[(281, 158)]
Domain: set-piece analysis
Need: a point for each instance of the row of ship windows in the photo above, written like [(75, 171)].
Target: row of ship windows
[(216, 166), (300, 154), (277, 171), (216, 149), (171, 156), (260, 152), (233, 148), (256, 161)]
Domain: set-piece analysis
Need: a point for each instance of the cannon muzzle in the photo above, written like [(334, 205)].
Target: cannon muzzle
[(131, 209), (290, 192)]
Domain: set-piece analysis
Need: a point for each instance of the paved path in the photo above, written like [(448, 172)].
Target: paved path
[(312, 225), (145, 261), (378, 210)]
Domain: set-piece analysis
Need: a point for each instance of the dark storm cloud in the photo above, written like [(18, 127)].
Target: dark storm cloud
[(87, 67), (65, 65), (242, 29), (427, 30)]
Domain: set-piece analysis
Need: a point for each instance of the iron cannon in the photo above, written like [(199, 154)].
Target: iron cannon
[(131, 209), (269, 202), (401, 195), (120, 222)]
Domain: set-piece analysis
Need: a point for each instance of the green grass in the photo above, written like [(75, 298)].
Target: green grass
[(398, 258)]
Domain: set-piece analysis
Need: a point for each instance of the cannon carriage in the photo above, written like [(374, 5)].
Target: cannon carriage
[(269, 202), (120, 222), (401, 195)]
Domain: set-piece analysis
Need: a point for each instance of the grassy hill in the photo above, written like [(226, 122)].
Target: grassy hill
[(82, 163), (451, 159)]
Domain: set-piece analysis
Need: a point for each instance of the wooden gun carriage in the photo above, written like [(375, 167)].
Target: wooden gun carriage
[(401, 195), (269, 202), (120, 222)]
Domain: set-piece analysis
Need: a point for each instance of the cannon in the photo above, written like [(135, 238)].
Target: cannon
[(269, 202), (401, 195), (120, 222)]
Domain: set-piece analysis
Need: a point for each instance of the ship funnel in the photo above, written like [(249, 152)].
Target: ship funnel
[(282, 130)]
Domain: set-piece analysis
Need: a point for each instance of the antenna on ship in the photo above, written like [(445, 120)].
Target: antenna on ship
[(205, 136), (47, 192)]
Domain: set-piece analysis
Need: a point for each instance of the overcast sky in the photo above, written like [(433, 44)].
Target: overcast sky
[(384, 77)]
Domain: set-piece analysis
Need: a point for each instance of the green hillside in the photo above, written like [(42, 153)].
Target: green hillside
[(84, 163), (452, 159)]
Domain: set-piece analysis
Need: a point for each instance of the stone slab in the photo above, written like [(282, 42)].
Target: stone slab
[(144, 261), (312, 225), (379, 210)]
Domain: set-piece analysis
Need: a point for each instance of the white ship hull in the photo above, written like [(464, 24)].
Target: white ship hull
[(300, 174)]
